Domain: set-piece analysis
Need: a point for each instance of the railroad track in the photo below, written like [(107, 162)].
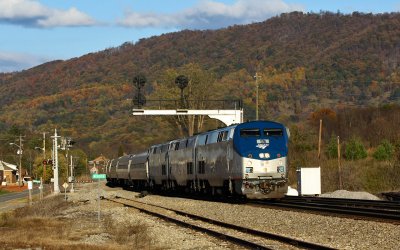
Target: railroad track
[(235, 234), (378, 210)]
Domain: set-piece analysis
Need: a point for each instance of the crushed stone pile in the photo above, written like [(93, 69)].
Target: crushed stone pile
[(344, 194)]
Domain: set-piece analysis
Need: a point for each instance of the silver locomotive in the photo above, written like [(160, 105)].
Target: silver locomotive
[(248, 159)]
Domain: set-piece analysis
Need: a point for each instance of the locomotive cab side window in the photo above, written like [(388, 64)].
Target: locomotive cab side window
[(273, 132), (250, 132)]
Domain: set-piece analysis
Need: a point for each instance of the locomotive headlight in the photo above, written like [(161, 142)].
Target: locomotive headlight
[(249, 171), (261, 155), (266, 155)]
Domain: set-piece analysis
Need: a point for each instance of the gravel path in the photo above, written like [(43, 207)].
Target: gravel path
[(336, 232)]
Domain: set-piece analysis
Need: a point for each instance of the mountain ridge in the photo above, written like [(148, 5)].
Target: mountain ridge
[(349, 57)]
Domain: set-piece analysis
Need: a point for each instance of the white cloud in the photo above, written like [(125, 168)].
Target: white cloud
[(30, 13), (71, 17), (10, 61), (209, 14), (134, 19)]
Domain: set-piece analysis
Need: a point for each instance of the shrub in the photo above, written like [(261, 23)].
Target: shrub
[(128, 231), (384, 152), (331, 149), (355, 150)]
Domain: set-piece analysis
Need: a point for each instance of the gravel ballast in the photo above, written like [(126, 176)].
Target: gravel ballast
[(342, 233)]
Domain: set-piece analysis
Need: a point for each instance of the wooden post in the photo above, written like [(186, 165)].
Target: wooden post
[(41, 189), (319, 141), (339, 166)]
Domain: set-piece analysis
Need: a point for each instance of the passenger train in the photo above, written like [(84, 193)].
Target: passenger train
[(248, 159)]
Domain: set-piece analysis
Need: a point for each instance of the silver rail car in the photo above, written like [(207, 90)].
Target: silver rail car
[(248, 159)]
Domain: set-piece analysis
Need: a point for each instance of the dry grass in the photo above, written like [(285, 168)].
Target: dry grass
[(361, 175), (44, 225), (136, 234), (3, 191)]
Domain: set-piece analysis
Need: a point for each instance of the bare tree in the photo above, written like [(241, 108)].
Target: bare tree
[(196, 87)]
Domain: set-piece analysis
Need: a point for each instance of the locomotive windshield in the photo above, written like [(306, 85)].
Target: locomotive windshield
[(255, 132), (273, 132), (247, 132)]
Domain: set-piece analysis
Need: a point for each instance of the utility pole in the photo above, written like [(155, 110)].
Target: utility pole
[(44, 155), (19, 152), (20, 160), (72, 176), (339, 166), (44, 162), (55, 161), (319, 141), (256, 77)]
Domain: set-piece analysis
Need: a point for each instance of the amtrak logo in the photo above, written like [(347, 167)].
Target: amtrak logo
[(262, 146), (262, 143)]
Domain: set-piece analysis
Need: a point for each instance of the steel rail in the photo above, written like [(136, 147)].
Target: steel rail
[(214, 233), (336, 209), (265, 235), (395, 205)]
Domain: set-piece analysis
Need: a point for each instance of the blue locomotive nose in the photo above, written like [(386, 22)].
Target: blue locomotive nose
[(256, 140)]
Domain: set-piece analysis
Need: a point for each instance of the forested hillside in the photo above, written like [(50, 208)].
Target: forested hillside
[(306, 63)]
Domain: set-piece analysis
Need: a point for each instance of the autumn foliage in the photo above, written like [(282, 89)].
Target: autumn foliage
[(341, 69)]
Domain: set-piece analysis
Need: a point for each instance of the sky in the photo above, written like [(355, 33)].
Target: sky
[(36, 31)]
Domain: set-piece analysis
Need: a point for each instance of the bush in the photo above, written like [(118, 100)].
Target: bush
[(384, 152), (355, 150), (331, 149)]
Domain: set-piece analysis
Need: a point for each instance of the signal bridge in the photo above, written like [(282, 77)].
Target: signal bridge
[(228, 116)]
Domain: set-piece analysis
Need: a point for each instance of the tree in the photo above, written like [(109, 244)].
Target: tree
[(80, 160), (384, 151), (355, 150), (201, 88), (332, 149), (120, 151), (325, 114)]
